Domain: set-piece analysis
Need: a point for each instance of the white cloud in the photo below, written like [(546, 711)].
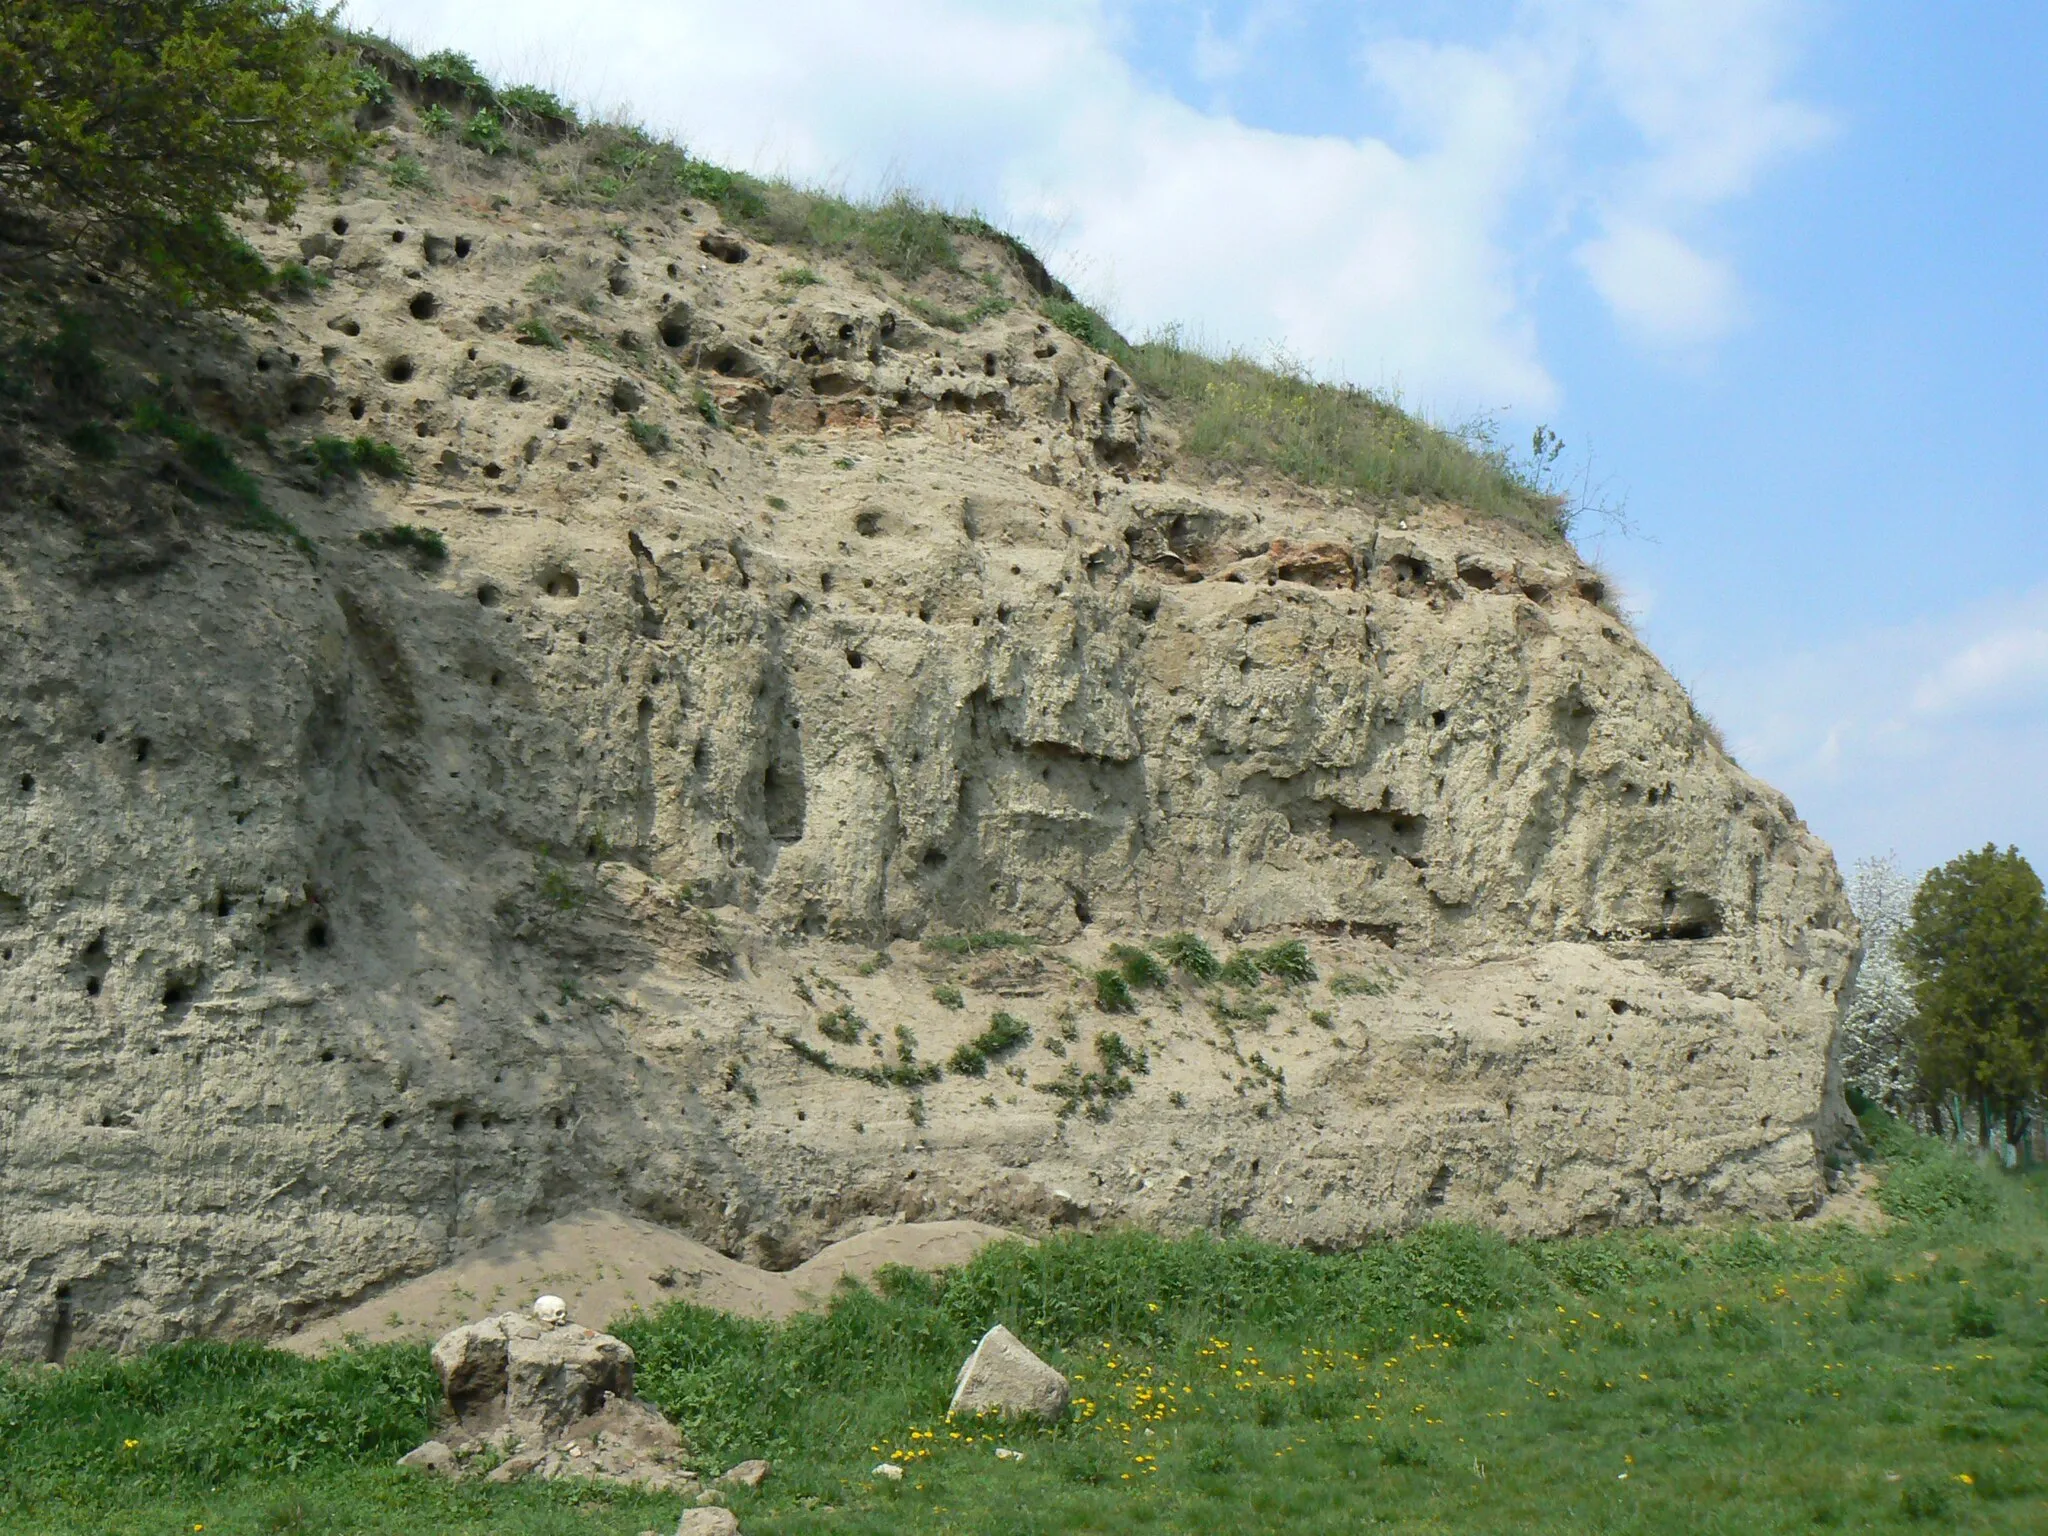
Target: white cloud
[(1927, 737), (1408, 267), (1700, 84), (2004, 669), (1660, 288)]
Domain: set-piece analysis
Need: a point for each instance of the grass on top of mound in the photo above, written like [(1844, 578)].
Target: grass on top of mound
[(1231, 409), (1749, 1380)]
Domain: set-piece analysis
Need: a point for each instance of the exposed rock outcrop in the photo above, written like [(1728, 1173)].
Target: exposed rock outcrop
[(1004, 1378), (525, 1396), (358, 909)]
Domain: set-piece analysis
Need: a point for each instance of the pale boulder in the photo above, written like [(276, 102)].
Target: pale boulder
[(470, 1361), (1003, 1377), (557, 1375), (435, 1457), (709, 1520)]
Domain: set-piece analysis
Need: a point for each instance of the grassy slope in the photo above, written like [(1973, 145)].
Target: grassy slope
[(1230, 410), (1753, 1380)]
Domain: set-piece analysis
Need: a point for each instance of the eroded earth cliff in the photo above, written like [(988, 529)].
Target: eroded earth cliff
[(358, 905)]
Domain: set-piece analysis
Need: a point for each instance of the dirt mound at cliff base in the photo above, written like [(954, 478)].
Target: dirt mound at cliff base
[(606, 1265)]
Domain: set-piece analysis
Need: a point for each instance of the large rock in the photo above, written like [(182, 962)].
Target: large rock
[(554, 1376), (557, 1397), (470, 1360), (1003, 1377), (355, 911), (513, 1369)]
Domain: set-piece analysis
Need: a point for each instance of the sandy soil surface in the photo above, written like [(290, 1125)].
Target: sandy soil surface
[(607, 1265)]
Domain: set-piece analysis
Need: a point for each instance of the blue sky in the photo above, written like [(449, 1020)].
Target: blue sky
[(1776, 269)]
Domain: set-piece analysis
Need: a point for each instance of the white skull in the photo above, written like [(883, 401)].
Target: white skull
[(552, 1311)]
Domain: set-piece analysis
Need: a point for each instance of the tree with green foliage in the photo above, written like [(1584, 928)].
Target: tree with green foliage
[(130, 131), (1977, 952)]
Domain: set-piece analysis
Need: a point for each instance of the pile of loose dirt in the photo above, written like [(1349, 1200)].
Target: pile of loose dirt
[(608, 1266)]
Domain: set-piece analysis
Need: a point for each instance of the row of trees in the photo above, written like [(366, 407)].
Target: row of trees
[(1948, 1021)]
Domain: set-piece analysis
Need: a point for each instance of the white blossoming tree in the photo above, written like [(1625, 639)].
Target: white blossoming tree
[(1877, 1045)]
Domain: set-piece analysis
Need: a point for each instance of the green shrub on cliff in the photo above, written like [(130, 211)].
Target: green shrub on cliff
[(130, 132)]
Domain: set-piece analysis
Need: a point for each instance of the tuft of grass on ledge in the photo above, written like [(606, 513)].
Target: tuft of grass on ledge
[(343, 458), (424, 544), (1234, 410), (652, 437), (978, 942), (214, 474)]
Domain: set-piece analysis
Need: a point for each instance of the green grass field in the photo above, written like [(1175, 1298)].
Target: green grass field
[(1751, 1380)]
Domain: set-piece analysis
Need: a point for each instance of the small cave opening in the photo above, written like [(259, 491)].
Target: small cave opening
[(398, 370), (339, 225), (317, 935), (487, 595), (61, 1326), (26, 783), (424, 305)]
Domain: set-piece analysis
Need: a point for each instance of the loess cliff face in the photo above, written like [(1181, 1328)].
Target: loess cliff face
[(356, 907)]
